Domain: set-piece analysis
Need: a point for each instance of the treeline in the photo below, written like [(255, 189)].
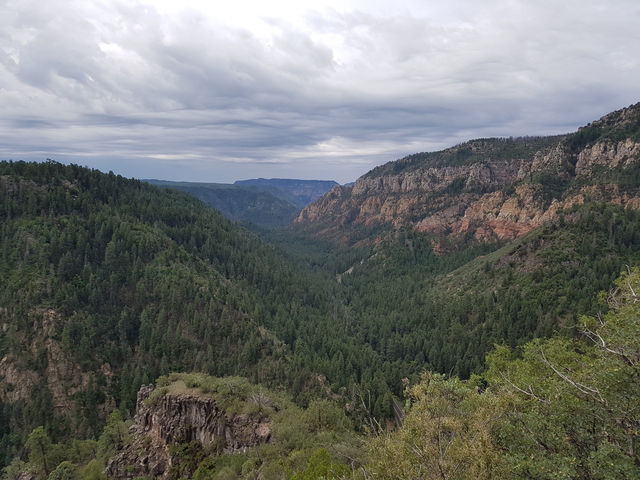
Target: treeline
[(469, 152)]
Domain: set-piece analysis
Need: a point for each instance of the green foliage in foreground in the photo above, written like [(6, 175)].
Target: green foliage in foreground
[(559, 408), (70, 460), (316, 442)]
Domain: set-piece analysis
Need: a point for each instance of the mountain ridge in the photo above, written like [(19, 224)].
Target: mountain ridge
[(487, 188), (298, 192)]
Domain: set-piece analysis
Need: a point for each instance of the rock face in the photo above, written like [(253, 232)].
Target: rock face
[(607, 154), (26, 476), (487, 189), (182, 418), (62, 375)]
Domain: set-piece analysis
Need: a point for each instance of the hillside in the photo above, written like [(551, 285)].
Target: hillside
[(446, 311), (564, 407), (243, 204), (488, 189), (559, 407), (109, 282)]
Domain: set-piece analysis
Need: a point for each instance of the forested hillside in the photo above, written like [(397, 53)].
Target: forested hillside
[(108, 283), (556, 408), (445, 312)]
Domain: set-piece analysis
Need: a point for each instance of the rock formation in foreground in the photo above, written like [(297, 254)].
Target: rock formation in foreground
[(164, 418)]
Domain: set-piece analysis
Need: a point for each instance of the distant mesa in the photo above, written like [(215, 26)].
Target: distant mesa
[(299, 192), (269, 203)]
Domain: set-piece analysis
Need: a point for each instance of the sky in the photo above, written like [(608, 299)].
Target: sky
[(216, 91)]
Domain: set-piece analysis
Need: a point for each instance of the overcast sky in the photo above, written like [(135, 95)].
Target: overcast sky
[(218, 91)]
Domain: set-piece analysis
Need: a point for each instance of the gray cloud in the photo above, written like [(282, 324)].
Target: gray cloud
[(190, 96)]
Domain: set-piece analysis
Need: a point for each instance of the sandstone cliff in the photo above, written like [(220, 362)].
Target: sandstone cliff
[(164, 418), (489, 188)]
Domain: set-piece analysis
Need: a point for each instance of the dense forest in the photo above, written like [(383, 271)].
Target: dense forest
[(111, 283), (124, 281), (554, 408)]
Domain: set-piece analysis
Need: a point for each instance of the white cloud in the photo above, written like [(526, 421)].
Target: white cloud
[(293, 89)]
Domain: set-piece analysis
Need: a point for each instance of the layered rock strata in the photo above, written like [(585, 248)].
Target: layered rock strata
[(182, 418), (489, 189)]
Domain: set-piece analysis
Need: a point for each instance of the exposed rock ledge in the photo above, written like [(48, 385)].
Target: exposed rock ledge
[(181, 418), (489, 198)]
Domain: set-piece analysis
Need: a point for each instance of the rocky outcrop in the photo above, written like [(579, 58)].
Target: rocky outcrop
[(26, 476), (497, 215), (328, 203), (189, 417), (607, 154), (62, 374), (441, 200), (489, 189), (171, 418), (430, 179)]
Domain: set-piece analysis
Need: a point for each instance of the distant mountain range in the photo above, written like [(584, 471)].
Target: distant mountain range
[(298, 192), (264, 202)]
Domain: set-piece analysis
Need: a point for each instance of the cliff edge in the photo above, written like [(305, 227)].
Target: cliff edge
[(488, 189), (178, 414)]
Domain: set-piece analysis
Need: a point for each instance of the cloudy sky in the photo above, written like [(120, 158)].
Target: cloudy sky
[(218, 91)]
